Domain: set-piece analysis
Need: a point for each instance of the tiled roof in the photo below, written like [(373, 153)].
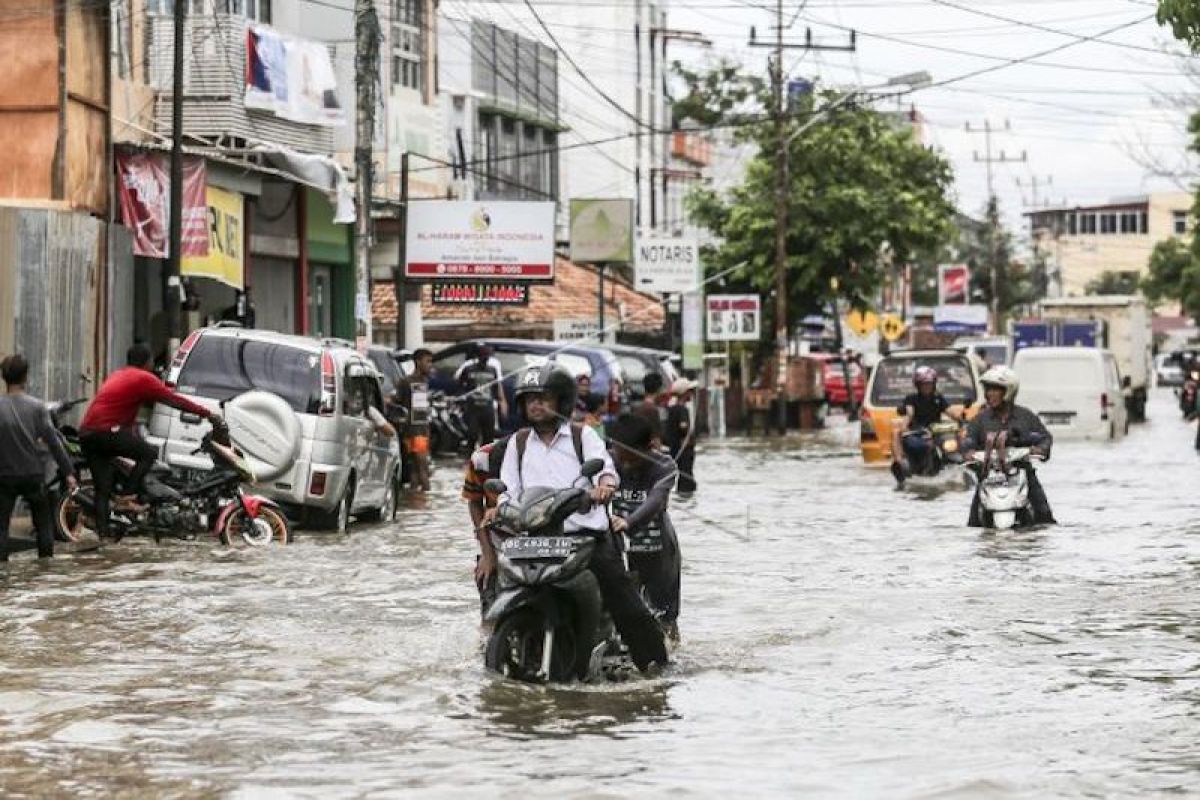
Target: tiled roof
[(571, 296)]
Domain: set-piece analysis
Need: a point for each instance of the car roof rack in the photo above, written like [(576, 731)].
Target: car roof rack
[(228, 323), (333, 341)]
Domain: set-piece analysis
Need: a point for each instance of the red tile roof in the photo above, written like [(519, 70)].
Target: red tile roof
[(571, 296)]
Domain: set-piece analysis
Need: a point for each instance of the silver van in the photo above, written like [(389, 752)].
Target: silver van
[(344, 467)]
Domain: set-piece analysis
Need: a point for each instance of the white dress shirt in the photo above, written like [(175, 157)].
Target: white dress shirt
[(557, 466)]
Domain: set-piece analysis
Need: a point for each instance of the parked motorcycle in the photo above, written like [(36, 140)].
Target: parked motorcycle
[(56, 487), (1004, 486), (183, 506), (548, 619), (448, 432)]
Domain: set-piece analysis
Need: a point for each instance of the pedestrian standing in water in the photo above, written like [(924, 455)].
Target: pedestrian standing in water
[(679, 435), (25, 426)]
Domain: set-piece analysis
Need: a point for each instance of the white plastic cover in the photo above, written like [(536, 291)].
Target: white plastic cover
[(265, 428)]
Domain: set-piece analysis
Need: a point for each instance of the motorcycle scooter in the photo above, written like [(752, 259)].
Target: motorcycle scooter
[(1004, 487), (548, 619)]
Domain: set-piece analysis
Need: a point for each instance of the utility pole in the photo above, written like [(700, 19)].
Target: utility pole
[(399, 285), (1034, 184), (993, 256), (366, 64), (172, 295), (782, 181)]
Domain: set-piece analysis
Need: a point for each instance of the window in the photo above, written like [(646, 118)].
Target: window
[(1180, 222), (1144, 223), (1108, 223), (1087, 223), (1072, 224), (221, 367), (1129, 222), (408, 43)]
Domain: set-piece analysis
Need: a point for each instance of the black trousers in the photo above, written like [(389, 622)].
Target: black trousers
[(660, 574), (481, 424), (686, 461), (100, 448), (33, 489), (633, 620)]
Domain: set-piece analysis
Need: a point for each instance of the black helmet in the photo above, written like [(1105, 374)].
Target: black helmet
[(549, 378)]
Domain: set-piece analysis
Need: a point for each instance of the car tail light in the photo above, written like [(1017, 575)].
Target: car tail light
[(1104, 406), (328, 387), (181, 356), (867, 429), (316, 487)]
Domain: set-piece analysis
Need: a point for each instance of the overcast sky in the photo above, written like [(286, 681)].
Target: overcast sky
[(1078, 112)]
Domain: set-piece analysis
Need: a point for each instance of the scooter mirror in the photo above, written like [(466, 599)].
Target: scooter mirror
[(495, 486), (592, 467)]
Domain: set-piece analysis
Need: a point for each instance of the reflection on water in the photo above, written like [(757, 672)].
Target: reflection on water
[(839, 639)]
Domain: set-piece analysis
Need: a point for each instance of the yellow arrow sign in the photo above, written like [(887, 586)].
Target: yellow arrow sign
[(862, 323), (892, 327)]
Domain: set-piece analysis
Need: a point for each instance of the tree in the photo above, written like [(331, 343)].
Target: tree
[(1183, 16), (1174, 274), (1113, 282), (988, 247), (863, 194)]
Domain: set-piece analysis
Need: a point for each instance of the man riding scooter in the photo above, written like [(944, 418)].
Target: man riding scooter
[(917, 413), (1002, 423), (109, 428)]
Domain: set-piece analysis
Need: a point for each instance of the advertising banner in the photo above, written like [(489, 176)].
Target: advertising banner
[(692, 318), (954, 284), (144, 189), (459, 240), (734, 317), (667, 265), (225, 260), (964, 319), (291, 78), (601, 231), (480, 294)]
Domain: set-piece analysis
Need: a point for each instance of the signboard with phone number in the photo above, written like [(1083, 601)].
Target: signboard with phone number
[(480, 294)]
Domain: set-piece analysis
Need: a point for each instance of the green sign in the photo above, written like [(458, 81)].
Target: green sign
[(601, 231)]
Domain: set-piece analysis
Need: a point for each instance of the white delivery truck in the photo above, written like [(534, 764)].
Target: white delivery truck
[(1126, 332)]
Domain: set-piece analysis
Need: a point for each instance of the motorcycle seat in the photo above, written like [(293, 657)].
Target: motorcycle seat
[(156, 490)]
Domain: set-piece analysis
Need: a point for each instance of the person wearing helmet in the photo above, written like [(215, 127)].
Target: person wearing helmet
[(1022, 427), (549, 452), (918, 411)]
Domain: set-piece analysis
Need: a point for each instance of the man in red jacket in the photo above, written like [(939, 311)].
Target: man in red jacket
[(109, 428)]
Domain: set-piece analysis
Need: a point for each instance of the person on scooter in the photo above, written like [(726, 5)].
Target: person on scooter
[(640, 512), (550, 453), (1020, 428), (918, 411), (109, 428)]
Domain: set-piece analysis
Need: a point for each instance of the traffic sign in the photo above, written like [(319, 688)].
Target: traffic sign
[(862, 322), (892, 327)]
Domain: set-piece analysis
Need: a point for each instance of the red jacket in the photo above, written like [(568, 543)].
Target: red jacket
[(127, 390)]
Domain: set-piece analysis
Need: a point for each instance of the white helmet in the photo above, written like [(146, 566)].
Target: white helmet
[(1003, 377)]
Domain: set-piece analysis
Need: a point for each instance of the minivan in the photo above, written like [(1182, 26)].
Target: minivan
[(1077, 391), (515, 355), (638, 362), (344, 466)]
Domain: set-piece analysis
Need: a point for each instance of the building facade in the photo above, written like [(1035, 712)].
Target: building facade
[(1084, 242)]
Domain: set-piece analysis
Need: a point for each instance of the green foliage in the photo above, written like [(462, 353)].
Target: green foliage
[(1183, 17), (1174, 274), (1113, 282), (862, 195), (989, 247)]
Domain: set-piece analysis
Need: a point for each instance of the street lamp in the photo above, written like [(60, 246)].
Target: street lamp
[(914, 81)]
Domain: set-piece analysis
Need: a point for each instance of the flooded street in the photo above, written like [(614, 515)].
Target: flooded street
[(839, 639)]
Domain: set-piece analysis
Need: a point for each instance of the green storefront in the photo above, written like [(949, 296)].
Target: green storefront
[(330, 254)]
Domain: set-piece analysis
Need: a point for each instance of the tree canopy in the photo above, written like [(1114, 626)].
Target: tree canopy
[(862, 193), (1183, 17)]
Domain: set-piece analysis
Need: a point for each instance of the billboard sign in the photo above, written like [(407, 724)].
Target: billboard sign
[(954, 284), (667, 265), (460, 240), (734, 317), (575, 330), (601, 231), (480, 294)]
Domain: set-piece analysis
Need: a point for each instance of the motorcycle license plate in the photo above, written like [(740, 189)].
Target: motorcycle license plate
[(1057, 419), (529, 547)]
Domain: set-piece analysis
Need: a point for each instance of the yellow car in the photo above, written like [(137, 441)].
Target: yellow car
[(892, 381)]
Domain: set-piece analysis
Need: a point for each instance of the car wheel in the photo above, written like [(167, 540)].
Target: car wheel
[(338, 519), (387, 508)]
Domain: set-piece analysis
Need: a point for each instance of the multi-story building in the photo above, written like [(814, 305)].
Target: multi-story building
[(1084, 242)]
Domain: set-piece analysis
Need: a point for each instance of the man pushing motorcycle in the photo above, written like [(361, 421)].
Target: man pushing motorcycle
[(109, 428), (549, 453), (1002, 423)]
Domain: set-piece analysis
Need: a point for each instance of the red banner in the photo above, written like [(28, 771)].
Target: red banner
[(145, 195), (954, 284)]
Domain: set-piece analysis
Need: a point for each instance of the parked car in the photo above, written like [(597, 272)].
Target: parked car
[(516, 354), (638, 362), (1167, 371), (892, 380), (834, 377), (995, 351), (344, 466), (1077, 391)]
